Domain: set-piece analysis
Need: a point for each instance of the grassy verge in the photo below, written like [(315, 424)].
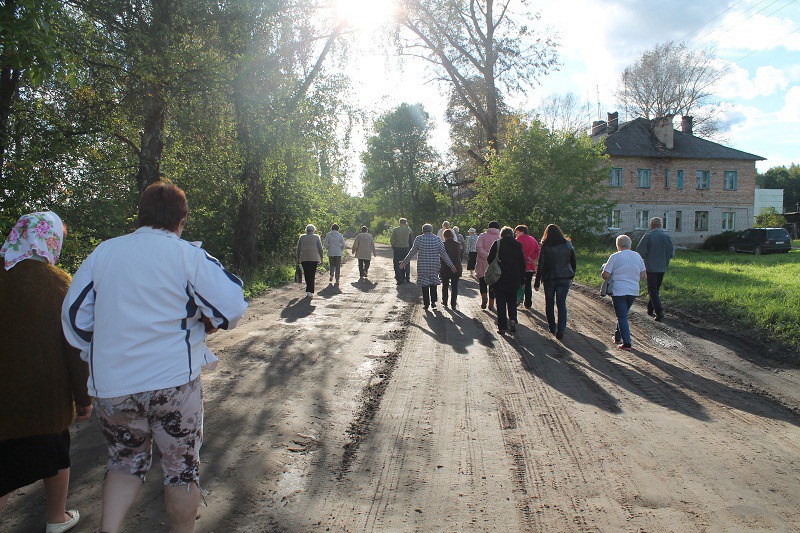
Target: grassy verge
[(756, 293), (273, 274)]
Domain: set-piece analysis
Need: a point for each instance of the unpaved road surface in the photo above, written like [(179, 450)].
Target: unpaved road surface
[(358, 411)]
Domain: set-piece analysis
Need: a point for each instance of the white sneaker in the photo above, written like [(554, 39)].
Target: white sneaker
[(309, 295), (73, 515)]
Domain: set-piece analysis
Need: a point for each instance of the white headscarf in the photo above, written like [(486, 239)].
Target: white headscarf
[(40, 233)]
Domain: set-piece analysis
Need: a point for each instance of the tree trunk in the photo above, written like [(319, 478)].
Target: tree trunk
[(155, 111), (9, 83), (152, 145), (245, 242)]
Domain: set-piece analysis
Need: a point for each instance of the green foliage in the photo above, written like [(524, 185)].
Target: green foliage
[(787, 179), (753, 293), (542, 178), (401, 172), (769, 218), (718, 242)]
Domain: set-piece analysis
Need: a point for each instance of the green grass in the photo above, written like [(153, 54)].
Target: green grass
[(760, 293)]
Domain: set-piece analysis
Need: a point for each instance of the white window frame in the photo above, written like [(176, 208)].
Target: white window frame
[(731, 180), (643, 219), (728, 220), (701, 220), (703, 180), (615, 219), (615, 178), (643, 175)]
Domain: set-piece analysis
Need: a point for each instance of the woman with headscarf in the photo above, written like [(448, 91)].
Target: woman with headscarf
[(430, 249), (556, 268), (140, 308), (512, 266), (44, 379), (309, 255), (482, 247), (364, 250)]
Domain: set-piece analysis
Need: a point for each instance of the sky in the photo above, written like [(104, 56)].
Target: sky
[(758, 41)]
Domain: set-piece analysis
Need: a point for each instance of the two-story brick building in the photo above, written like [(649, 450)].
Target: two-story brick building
[(698, 187)]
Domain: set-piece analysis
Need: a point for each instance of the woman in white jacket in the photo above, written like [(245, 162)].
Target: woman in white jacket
[(140, 308)]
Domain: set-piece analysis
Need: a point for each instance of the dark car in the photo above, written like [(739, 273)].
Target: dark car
[(761, 241)]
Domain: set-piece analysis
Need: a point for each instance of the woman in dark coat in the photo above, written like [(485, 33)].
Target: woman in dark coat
[(450, 278), (556, 269), (512, 265)]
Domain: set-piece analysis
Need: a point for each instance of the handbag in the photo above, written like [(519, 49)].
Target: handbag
[(298, 274), (493, 272), (605, 288)]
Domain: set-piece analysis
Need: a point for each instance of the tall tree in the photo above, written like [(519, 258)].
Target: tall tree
[(28, 54), (562, 113), (545, 177), (400, 166), (670, 79), (479, 47)]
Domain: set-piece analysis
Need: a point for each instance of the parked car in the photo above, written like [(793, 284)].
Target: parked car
[(761, 241)]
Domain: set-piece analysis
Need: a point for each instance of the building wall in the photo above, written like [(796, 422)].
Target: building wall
[(664, 197), (766, 198)]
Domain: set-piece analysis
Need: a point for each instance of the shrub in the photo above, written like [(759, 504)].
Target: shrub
[(718, 242)]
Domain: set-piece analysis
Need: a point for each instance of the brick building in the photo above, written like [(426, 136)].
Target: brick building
[(698, 187)]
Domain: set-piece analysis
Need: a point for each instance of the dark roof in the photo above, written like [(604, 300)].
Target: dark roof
[(636, 139)]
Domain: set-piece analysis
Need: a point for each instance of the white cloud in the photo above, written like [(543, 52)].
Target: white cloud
[(791, 109), (739, 84), (745, 31)]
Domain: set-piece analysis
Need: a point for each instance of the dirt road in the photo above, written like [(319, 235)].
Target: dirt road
[(358, 411)]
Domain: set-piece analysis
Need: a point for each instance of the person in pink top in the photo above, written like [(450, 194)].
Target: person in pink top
[(485, 242), (530, 249)]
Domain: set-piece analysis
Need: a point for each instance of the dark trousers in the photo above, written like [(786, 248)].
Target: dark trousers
[(622, 305), (654, 280), (336, 265), (555, 295), (428, 295), (506, 307), (486, 288), (309, 271), (400, 274), (528, 290), (452, 282), (363, 267)]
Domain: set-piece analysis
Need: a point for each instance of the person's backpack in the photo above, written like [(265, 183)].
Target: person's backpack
[(493, 272)]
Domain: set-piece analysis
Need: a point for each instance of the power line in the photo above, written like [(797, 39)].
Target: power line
[(728, 29), (768, 46), (711, 19)]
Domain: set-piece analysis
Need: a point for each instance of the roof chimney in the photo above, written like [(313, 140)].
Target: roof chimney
[(662, 129), (598, 127), (613, 122), (686, 125)]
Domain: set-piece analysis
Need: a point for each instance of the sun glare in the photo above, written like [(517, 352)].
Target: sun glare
[(365, 14)]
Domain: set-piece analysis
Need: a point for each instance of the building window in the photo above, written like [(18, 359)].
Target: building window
[(731, 180), (728, 221), (644, 178), (642, 219), (666, 179), (664, 222), (704, 179), (678, 221), (701, 220), (616, 177), (679, 179), (614, 219)]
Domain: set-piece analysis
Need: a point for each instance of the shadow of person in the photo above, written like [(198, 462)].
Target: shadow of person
[(365, 285), (330, 290), (297, 308)]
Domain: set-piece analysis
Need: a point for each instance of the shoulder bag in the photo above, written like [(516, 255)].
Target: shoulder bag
[(493, 272)]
